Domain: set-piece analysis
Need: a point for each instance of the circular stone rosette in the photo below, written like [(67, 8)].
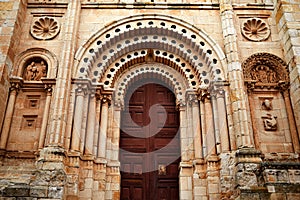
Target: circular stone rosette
[(255, 29), (45, 28)]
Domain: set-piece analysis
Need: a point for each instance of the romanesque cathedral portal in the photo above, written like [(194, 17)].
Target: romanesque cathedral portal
[(149, 99)]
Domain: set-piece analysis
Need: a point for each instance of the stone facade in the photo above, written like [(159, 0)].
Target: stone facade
[(66, 67)]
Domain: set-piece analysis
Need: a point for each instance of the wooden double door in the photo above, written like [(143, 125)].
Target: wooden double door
[(150, 145)]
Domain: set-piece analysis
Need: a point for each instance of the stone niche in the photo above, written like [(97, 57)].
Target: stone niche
[(27, 120), (266, 79)]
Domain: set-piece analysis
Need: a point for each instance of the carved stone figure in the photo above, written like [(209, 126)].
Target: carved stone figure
[(265, 70), (35, 71), (267, 104), (270, 122)]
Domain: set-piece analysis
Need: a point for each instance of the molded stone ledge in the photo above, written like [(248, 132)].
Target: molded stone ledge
[(248, 155)]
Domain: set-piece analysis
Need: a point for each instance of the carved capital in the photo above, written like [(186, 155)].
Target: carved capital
[(15, 84), (106, 98), (192, 98), (203, 95), (81, 90)]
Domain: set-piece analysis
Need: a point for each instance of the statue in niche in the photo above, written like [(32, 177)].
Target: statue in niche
[(35, 71), (270, 122)]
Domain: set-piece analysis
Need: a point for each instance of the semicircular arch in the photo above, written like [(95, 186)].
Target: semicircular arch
[(158, 32), (154, 73)]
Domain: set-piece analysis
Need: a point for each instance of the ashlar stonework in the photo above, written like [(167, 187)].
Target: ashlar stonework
[(150, 99)]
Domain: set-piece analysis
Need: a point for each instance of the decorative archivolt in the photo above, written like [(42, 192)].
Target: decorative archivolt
[(264, 70), (171, 42), (154, 73)]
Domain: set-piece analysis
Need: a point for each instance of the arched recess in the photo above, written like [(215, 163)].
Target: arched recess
[(266, 78), (39, 53), (167, 49), (159, 32)]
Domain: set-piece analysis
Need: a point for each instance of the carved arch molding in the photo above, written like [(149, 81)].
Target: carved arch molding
[(169, 42), (264, 70)]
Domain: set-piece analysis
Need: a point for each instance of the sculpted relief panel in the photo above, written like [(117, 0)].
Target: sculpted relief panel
[(35, 71), (267, 83)]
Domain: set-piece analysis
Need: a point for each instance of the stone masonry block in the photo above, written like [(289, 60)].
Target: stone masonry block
[(16, 191), (39, 191)]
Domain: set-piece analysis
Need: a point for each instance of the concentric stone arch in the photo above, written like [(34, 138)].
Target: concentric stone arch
[(151, 72), (177, 41)]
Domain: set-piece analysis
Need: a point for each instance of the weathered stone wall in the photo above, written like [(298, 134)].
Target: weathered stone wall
[(287, 19), (11, 20), (231, 154)]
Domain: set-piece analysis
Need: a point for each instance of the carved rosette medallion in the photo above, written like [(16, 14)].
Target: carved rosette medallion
[(45, 28), (255, 29)]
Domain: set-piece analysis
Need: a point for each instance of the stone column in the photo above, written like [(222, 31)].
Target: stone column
[(238, 98), (193, 100), (103, 127), (216, 121), (97, 123), (202, 97), (183, 132), (61, 97), (116, 132), (9, 113), (223, 125), (210, 135), (290, 114), (80, 93), (48, 88), (89, 140)]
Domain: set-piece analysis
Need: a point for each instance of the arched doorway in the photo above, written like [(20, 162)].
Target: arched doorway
[(150, 144)]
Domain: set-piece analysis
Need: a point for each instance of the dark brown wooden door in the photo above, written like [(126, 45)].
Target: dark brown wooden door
[(150, 141)]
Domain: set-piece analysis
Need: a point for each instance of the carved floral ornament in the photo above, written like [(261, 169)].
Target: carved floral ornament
[(264, 70), (45, 28), (255, 29)]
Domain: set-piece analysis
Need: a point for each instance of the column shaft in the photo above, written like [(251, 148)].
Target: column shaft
[(90, 126), (8, 118), (75, 144), (45, 121), (103, 130)]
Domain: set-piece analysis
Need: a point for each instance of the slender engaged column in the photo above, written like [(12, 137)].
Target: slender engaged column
[(9, 114), (45, 116), (97, 123), (210, 135), (290, 115), (196, 127), (75, 144), (203, 127), (116, 133), (89, 140), (84, 123), (103, 127), (183, 132), (216, 121), (225, 143)]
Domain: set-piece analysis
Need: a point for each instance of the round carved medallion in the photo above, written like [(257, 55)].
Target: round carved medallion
[(255, 29), (45, 28)]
